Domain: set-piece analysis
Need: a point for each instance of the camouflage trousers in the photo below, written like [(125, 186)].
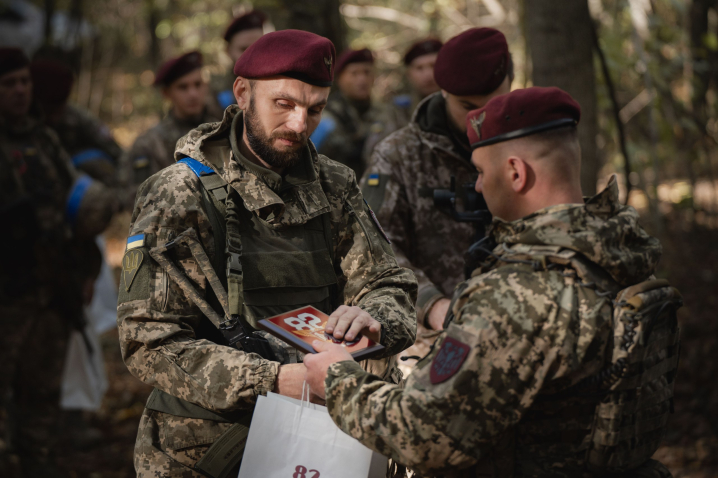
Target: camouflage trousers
[(33, 344)]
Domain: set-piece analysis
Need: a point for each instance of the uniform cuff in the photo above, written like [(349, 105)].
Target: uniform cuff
[(266, 377), (339, 371), (426, 300)]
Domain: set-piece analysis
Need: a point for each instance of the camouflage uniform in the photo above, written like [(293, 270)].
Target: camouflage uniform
[(528, 334), (395, 116), (408, 165), (46, 209), (344, 129), (90, 144), (154, 150), (164, 337)]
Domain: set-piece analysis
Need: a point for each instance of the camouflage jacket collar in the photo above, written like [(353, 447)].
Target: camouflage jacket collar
[(434, 140), (602, 230), (291, 199)]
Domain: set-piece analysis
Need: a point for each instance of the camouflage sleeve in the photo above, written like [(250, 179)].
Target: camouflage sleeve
[(509, 338), (136, 165), (370, 277), (384, 189), (100, 136), (157, 322)]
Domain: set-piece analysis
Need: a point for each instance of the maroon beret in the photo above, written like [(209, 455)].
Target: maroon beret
[(51, 81), (12, 59), (521, 113), (297, 54), (421, 48), (473, 63), (353, 56), (176, 68), (248, 21)]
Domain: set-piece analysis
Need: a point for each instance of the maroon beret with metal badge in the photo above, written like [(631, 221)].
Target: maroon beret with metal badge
[(353, 56), (421, 48), (473, 63), (51, 81), (297, 54), (176, 68), (12, 59), (521, 113), (248, 21)]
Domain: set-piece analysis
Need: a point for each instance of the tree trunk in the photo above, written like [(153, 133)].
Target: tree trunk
[(318, 16), (559, 35)]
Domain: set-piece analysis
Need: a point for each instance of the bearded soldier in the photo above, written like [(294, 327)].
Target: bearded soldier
[(409, 165), (251, 222), (182, 84), (558, 356), (49, 213)]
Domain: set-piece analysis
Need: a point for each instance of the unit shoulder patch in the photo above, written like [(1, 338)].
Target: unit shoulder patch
[(448, 360), (131, 263)]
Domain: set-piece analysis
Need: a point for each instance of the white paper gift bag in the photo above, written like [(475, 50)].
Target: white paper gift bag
[(295, 439)]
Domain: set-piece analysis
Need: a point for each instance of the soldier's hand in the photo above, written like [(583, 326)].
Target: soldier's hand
[(437, 314), (318, 364), (348, 322), (290, 380)]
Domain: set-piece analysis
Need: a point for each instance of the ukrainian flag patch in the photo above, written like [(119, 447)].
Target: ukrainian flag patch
[(373, 180), (135, 241)]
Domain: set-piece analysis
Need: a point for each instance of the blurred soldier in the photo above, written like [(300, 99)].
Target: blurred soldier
[(249, 223), (88, 141), (419, 61), (409, 165), (47, 209), (240, 34), (350, 115), (534, 375), (181, 82)]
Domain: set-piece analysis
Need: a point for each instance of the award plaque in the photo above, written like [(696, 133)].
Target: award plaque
[(300, 327)]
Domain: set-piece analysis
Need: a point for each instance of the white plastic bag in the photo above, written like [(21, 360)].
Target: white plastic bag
[(84, 381), (102, 311), (295, 439)]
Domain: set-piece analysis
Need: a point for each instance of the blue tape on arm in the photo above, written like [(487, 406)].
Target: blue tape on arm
[(325, 128), (197, 168), (89, 155), (226, 98), (75, 199)]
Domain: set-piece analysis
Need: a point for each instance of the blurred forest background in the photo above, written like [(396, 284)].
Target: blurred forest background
[(644, 71)]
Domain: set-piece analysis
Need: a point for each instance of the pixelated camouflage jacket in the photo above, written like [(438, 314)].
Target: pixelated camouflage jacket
[(44, 203), (397, 114), (347, 132), (154, 150), (405, 168), (89, 143), (526, 334), (158, 324)]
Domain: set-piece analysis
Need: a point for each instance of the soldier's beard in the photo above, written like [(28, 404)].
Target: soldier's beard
[(262, 145)]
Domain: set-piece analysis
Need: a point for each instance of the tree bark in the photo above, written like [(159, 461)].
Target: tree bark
[(318, 16), (560, 36)]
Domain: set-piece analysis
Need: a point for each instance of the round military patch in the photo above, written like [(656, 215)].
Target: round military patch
[(448, 360)]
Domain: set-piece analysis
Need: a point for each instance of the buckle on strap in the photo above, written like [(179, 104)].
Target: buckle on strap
[(234, 265)]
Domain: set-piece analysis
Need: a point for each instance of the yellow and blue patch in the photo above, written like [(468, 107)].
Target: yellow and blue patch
[(135, 241), (373, 180)]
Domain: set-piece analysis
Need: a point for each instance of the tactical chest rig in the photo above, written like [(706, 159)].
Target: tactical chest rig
[(612, 422), (261, 273)]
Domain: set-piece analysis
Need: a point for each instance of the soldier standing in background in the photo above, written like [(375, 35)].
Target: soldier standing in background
[(534, 376), (240, 34), (257, 224), (88, 141), (182, 84), (350, 116), (47, 210), (411, 163)]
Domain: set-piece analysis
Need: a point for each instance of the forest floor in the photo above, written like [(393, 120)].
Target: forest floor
[(690, 448)]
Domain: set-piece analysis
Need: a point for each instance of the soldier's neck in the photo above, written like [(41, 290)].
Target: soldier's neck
[(246, 151)]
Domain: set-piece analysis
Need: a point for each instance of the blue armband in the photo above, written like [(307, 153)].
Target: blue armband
[(226, 98), (197, 168), (77, 194), (90, 155), (325, 128)]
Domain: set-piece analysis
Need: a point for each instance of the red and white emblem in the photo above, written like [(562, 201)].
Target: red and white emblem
[(448, 361)]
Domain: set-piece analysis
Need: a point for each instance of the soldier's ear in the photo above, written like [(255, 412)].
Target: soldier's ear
[(242, 91)]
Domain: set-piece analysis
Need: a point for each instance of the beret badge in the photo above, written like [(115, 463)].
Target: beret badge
[(328, 63), (477, 122)]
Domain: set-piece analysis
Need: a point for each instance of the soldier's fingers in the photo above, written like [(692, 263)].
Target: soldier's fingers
[(334, 317), (357, 326), (344, 322)]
